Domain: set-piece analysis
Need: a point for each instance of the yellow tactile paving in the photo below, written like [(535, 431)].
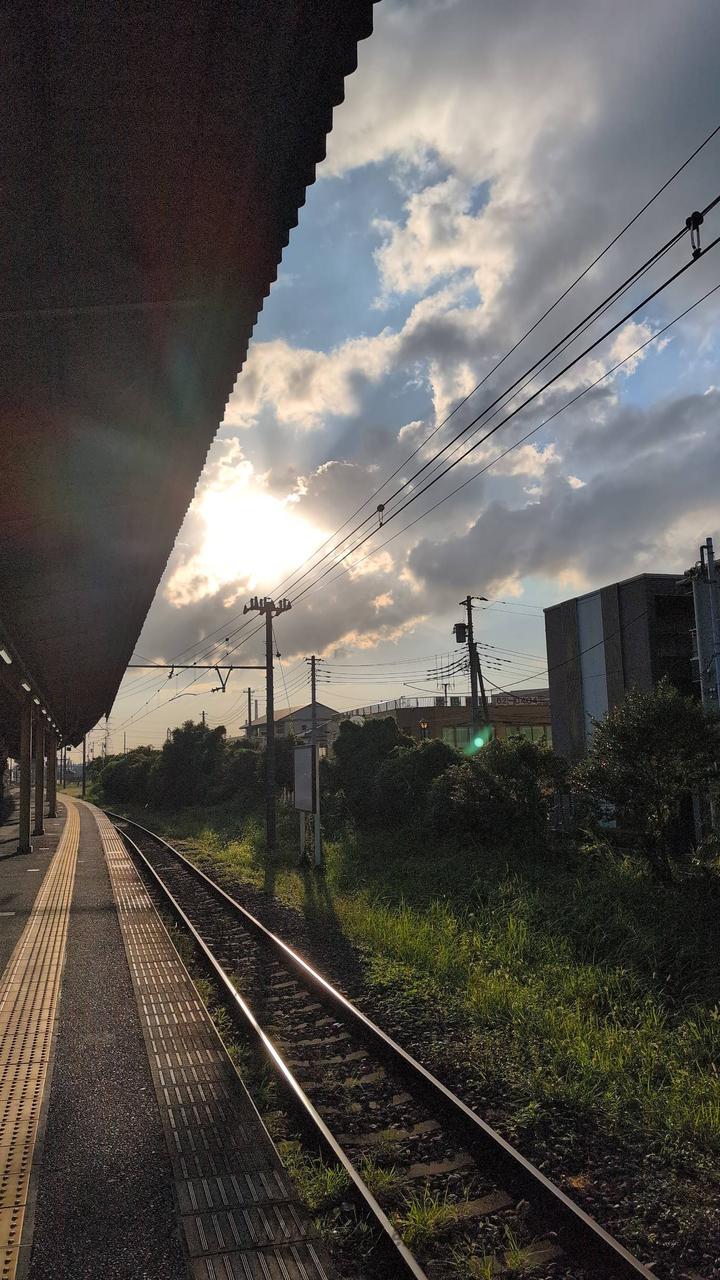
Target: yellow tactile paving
[(238, 1214), (29, 992)]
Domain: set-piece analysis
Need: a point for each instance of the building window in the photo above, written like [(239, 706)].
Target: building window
[(456, 735), (540, 733)]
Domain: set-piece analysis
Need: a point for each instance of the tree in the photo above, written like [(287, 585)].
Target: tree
[(403, 780), (189, 765), (358, 752), (645, 758), (500, 796), (127, 778)]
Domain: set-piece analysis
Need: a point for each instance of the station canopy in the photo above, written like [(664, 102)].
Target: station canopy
[(155, 157)]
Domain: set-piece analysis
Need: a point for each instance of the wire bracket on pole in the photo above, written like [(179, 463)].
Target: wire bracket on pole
[(693, 224), (223, 683)]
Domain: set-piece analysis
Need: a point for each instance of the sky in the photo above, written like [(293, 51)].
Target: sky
[(482, 158)]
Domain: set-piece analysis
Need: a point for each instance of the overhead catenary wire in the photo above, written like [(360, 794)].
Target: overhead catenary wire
[(681, 315), (538, 427), (535, 395), (635, 217), (683, 231), (542, 362), (497, 404), (531, 398)]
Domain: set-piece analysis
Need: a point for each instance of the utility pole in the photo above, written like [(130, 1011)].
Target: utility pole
[(316, 758), (249, 719), (24, 845), (269, 610), (39, 745), (84, 761), (476, 677), (706, 604), (124, 743), (203, 719), (714, 614)]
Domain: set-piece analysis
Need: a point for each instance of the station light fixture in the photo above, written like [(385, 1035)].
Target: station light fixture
[(6, 657), (24, 684), (36, 701)]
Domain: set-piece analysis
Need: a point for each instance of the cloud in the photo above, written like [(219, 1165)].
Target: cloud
[(504, 144), (644, 513), (305, 386)]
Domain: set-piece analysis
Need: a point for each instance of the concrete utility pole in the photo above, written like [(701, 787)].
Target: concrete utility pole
[(52, 775), (316, 758), (269, 610), (39, 828), (714, 614), (24, 845), (83, 766), (476, 677), (249, 719), (706, 603)]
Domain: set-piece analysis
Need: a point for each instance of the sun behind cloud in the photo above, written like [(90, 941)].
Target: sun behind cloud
[(249, 540)]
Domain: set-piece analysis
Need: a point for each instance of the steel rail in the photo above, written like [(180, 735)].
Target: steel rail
[(578, 1233), (400, 1251)]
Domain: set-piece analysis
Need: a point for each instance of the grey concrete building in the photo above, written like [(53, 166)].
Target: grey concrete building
[(600, 645)]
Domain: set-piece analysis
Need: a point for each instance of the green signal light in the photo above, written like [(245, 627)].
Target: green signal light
[(478, 741)]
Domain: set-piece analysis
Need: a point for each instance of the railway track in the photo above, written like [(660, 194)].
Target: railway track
[(465, 1193)]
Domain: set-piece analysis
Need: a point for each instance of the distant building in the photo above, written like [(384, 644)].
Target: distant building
[(296, 722), (526, 713), (600, 645)]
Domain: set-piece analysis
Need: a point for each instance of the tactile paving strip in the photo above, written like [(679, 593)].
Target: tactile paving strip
[(239, 1216), (29, 992)]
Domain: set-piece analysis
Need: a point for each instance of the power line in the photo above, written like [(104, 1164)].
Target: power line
[(522, 381), (563, 295), (498, 364), (528, 434), (513, 413)]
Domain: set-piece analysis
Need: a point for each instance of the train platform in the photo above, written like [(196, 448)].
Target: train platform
[(129, 1146)]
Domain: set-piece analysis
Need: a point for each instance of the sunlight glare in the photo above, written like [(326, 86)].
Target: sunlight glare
[(250, 540)]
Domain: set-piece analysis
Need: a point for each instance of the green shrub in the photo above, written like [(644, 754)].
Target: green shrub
[(359, 750), (126, 778), (189, 766), (646, 756), (238, 774), (403, 781), (501, 796)]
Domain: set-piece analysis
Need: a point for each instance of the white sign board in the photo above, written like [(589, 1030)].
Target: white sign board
[(304, 789)]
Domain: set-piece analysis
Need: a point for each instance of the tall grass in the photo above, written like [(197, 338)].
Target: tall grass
[(577, 981)]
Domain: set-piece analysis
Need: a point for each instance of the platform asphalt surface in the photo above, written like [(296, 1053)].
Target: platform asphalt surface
[(105, 1207), (21, 876)]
